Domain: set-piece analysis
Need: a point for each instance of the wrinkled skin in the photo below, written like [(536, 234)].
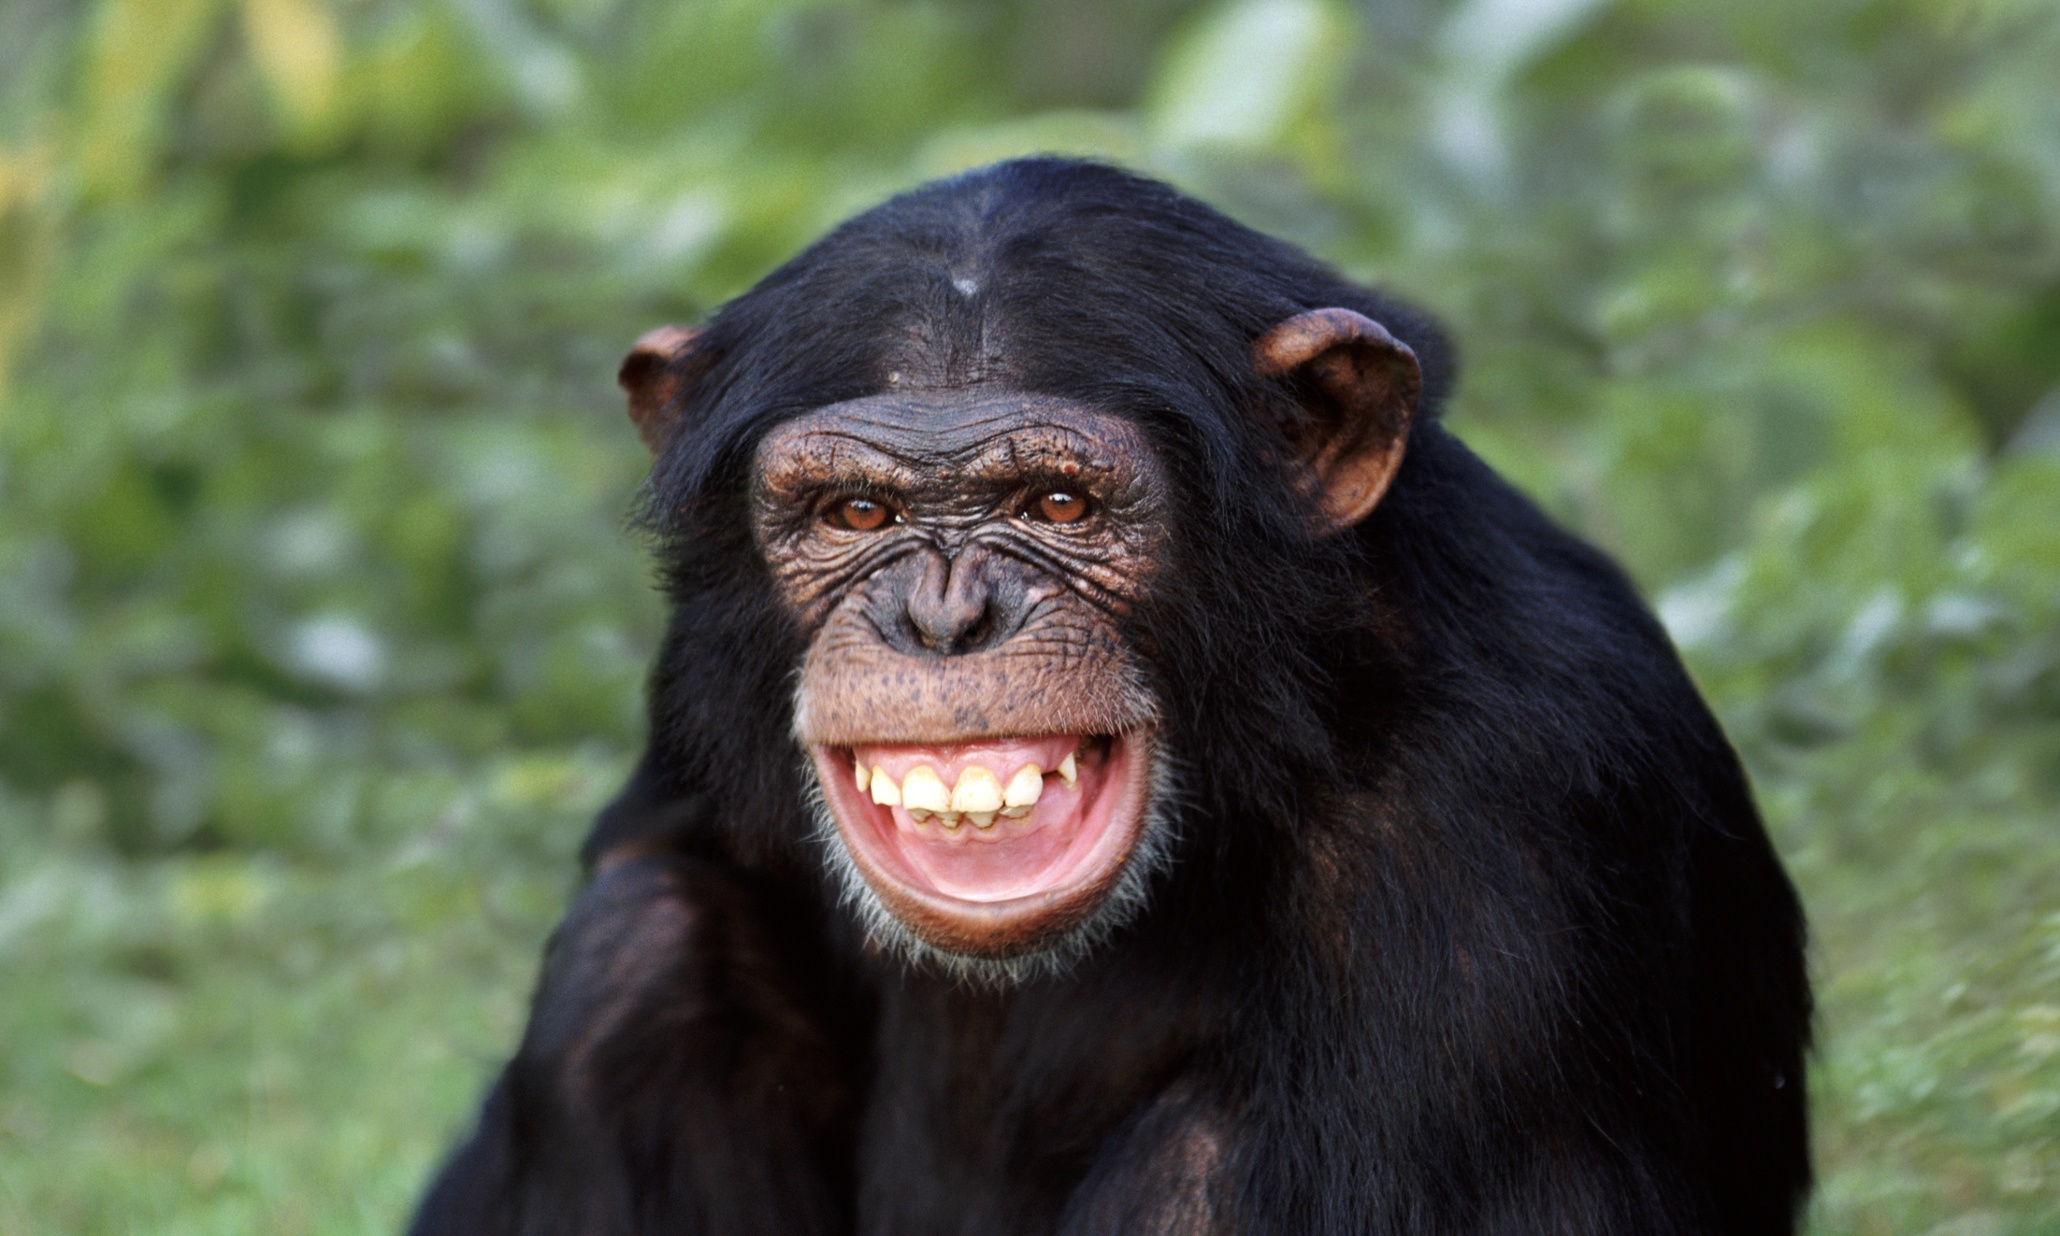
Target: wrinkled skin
[(962, 618)]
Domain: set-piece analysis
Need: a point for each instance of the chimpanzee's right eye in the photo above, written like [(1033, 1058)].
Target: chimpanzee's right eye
[(859, 514)]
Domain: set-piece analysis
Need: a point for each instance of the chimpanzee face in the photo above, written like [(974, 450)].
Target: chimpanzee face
[(962, 561), (983, 734)]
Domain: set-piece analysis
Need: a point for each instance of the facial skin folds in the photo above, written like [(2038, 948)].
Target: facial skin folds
[(982, 735), (959, 472)]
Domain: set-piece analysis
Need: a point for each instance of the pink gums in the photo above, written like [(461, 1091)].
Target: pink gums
[(1072, 836)]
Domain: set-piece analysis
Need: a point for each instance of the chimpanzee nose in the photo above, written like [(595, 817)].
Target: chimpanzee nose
[(958, 604)]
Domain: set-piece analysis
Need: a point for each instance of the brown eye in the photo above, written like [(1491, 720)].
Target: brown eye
[(1058, 507), (858, 514)]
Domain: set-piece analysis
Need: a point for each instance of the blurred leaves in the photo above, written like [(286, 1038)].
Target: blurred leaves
[(1246, 74), (139, 53), (294, 46), (28, 247), (321, 635)]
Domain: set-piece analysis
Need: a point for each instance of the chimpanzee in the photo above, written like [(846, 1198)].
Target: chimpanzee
[(1118, 764)]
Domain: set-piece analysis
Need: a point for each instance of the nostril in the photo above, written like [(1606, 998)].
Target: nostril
[(948, 624), (974, 634)]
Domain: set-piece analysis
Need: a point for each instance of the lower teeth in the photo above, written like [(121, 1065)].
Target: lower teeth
[(954, 820)]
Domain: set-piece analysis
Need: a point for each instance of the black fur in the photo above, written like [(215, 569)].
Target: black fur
[(1472, 925)]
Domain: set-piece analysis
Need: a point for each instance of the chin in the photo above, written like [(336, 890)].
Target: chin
[(994, 858)]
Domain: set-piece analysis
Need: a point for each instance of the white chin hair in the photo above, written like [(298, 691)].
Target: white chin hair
[(1152, 854)]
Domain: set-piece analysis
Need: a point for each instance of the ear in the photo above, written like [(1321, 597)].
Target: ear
[(1358, 386), (663, 363)]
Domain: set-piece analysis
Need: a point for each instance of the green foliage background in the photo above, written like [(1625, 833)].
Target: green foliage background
[(321, 635)]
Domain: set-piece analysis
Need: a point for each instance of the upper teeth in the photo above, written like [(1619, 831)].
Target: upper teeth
[(978, 793), (921, 790), (1026, 787), (977, 790), (885, 792)]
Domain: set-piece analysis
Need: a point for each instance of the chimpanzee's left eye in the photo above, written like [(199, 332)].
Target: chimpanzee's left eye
[(1057, 507)]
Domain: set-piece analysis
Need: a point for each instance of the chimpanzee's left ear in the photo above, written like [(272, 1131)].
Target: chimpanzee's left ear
[(663, 363), (1358, 386)]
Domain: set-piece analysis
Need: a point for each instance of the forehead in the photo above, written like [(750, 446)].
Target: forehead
[(977, 431)]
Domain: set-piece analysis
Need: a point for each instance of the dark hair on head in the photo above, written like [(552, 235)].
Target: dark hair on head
[(1083, 281)]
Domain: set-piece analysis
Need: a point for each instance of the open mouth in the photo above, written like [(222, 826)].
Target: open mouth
[(990, 847)]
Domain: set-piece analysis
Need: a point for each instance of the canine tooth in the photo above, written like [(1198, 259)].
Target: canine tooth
[(864, 774), (1068, 771), (981, 819), (885, 792), (1026, 787), (1016, 813), (977, 790), (921, 788)]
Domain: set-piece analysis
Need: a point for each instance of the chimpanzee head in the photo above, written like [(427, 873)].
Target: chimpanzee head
[(982, 482)]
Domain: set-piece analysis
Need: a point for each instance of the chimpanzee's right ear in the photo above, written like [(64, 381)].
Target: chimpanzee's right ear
[(663, 363)]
